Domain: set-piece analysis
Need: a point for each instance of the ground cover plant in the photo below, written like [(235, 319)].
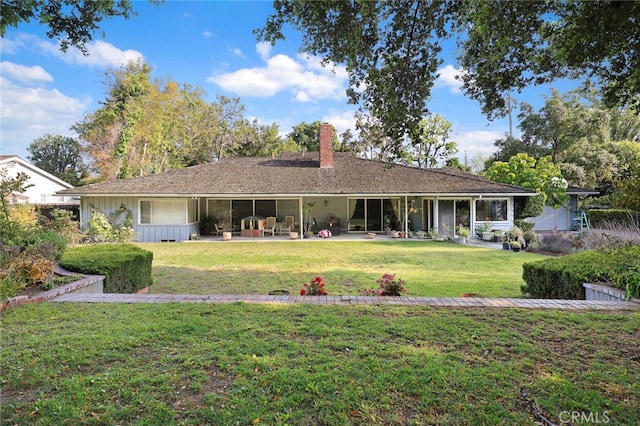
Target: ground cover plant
[(322, 365), (347, 267)]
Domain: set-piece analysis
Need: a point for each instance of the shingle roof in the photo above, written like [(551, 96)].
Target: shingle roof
[(300, 174)]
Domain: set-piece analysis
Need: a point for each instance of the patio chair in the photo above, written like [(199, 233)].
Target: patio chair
[(221, 227), (288, 224), (270, 226)]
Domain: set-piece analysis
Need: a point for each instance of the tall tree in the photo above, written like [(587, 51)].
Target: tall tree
[(72, 22), (627, 192), (372, 141), (60, 156), (391, 49), (306, 136), (561, 122), (430, 144), (109, 132)]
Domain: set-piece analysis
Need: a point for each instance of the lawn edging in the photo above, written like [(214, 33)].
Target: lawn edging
[(606, 293), (87, 284)]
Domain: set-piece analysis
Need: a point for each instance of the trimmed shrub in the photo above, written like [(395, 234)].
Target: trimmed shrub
[(562, 278), (126, 267), (524, 225)]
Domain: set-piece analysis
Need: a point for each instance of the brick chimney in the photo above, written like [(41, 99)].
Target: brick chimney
[(326, 146)]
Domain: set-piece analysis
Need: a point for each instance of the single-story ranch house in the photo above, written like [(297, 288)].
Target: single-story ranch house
[(344, 194)]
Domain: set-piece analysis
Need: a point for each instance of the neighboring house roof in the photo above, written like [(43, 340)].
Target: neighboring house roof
[(42, 185), (574, 190), (301, 174), (5, 160)]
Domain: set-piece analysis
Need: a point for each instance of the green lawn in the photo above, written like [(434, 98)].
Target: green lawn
[(203, 364), (347, 267)]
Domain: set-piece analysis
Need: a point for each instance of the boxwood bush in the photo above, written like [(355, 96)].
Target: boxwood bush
[(126, 267), (562, 277)]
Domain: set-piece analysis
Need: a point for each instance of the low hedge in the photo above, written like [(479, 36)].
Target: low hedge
[(562, 277), (126, 267)]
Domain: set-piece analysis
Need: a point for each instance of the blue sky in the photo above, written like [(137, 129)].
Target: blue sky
[(207, 44)]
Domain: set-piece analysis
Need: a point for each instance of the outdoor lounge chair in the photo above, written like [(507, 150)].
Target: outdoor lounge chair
[(287, 225), (221, 227), (270, 226)]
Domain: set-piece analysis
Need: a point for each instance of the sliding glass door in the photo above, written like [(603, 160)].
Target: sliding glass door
[(373, 214)]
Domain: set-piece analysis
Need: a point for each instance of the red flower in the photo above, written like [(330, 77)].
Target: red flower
[(317, 280), (303, 292)]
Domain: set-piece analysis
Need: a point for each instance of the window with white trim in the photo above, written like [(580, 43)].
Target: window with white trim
[(491, 210), (168, 212)]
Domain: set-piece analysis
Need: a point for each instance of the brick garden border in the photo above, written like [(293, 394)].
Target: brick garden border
[(87, 284)]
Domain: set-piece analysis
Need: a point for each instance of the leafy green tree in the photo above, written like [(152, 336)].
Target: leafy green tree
[(391, 49), (306, 136), (261, 140), (561, 122), (9, 228), (372, 141), (627, 191), (108, 134), (429, 144), (589, 165), (150, 125), (540, 175), (454, 163), (11, 185), (72, 22), (60, 156)]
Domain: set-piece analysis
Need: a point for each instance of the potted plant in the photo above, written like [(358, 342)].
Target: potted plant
[(497, 235), (529, 237), (515, 246), (463, 233), (206, 225), (514, 233), (307, 208), (506, 244)]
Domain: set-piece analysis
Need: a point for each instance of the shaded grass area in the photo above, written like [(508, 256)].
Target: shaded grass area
[(347, 267), (320, 365)]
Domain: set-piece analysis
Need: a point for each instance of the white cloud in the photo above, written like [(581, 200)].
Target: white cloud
[(24, 73), (9, 45), (341, 120), (447, 78), (264, 49), (29, 113), (237, 52), (100, 53), (302, 77), (207, 34), (476, 142)]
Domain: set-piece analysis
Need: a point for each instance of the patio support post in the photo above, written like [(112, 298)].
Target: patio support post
[(436, 214), (300, 215), (406, 216)]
